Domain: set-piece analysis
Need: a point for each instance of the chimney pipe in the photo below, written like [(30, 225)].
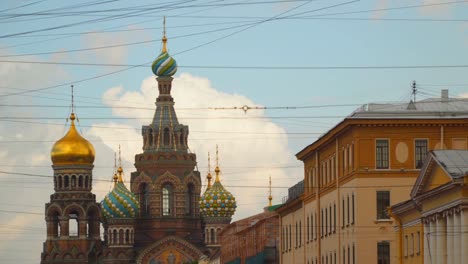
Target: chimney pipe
[(444, 95)]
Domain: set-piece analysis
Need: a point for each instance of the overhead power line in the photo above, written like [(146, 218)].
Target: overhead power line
[(249, 67)]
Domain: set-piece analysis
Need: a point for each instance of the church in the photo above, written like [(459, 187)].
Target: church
[(162, 217)]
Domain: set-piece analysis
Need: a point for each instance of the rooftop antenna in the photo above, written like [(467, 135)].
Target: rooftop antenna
[(414, 90)]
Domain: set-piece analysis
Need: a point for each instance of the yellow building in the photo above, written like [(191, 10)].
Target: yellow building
[(357, 169), (433, 224)]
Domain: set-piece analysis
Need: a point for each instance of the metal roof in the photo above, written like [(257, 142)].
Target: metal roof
[(455, 162), (428, 108)]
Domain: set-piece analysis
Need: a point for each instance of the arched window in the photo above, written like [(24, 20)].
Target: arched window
[(60, 184), (143, 193), (73, 181), (212, 236), (167, 199), (166, 136), (121, 237), (181, 140), (189, 199), (66, 182), (150, 137), (114, 237), (80, 181), (73, 228), (127, 236), (86, 182)]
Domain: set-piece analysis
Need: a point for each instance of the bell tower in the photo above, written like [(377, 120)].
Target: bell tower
[(72, 215), (165, 182)]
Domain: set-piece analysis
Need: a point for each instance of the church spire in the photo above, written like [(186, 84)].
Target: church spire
[(270, 197), (208, 176), (217, 170)]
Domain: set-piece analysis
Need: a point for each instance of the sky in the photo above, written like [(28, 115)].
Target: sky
[(306, 63)]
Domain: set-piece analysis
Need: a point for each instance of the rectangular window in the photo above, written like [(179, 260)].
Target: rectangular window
[(321, 224), (418, 241), (290, 237), (334, 217), (347, 199), (352, 204), (354, 253), (420, 151), (383, 202), (297, 235), (412, 245), (342, 213), (300, 233), (405, 246), (326, 221), (381, 154), (383, 252), (308, 228)]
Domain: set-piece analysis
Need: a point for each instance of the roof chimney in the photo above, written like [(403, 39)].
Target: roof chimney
[(444, 95)]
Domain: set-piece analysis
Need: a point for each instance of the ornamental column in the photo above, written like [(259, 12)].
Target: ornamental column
[(432, 241), (450, 237), (464, 235), (441, 236), (427, 233), (457, 238)]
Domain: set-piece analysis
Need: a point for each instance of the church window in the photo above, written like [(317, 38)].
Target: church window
[(66, 182), (167, 199), (189, 199), (150, 137), (212, 236), (166, 137), (181, 140), (59, 182), (144, 199), (73, 224), (80, 181), (121, 237), (87, 182), (73, 181), (114, 238)]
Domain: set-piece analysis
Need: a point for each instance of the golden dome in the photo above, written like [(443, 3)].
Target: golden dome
[(72, 148)]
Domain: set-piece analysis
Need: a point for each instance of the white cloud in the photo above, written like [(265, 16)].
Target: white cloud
[(248, 143)]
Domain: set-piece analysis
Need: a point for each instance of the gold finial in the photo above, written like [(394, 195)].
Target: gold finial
[(115, 166), (217, 170), (208, 176), (72, 115), (120, 170), (164, 39), (270, 197)]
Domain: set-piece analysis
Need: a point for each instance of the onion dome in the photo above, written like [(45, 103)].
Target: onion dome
[(164, 65), (217, 202), (72, 149), (120, 202)]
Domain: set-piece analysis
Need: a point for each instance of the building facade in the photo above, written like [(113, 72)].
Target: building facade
[(251, 240), (357, 169), (433, 225)]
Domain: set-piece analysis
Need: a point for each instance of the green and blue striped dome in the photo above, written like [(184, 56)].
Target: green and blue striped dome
[(164, 65), (120, 202)]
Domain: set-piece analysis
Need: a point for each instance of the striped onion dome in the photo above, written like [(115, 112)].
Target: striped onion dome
[(217, 202), (120, 202), (164, 65)]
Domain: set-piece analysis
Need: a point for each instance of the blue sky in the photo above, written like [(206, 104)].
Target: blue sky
[(253, 145)]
